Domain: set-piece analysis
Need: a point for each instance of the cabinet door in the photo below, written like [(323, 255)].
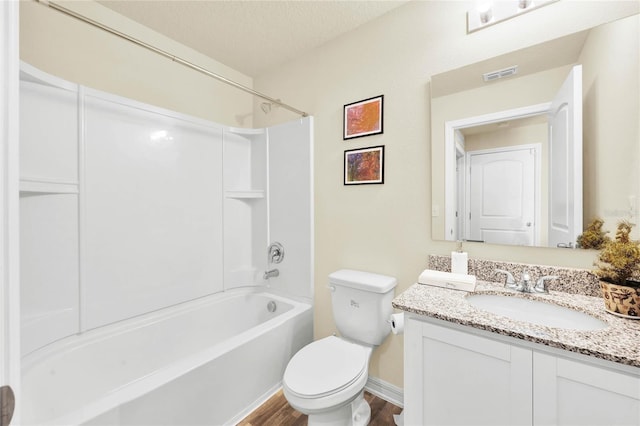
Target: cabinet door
[(569, 392), (458, 378)]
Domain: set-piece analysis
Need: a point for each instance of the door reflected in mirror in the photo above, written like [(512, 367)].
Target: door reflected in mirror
[(525, 159)]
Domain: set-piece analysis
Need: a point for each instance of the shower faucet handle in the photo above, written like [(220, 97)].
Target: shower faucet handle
[(275, 252)]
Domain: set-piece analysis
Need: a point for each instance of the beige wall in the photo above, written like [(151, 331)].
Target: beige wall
[(76, 51), (509, 136), (387, 228), (611, 136)]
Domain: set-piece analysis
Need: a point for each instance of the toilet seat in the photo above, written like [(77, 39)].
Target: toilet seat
[(326, 367)]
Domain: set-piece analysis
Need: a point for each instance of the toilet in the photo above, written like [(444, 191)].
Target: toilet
[(326, 378)]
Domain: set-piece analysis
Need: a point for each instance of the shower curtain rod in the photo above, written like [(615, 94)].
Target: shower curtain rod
[(174, 58)]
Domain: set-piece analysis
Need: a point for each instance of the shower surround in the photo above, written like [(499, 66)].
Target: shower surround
[(128, 210)]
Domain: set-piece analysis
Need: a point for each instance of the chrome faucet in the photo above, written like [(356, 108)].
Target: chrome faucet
[(526, 284), (272, 273)]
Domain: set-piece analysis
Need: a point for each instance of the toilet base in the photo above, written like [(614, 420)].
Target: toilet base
[(356, 413), (361, 411)]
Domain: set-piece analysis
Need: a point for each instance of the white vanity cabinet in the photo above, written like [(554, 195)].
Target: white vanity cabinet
[(570, 392), (456, 375), (456, 378)]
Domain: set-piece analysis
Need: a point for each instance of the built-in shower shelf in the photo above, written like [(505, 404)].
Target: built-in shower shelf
[(246, 132), (47, 186), (256, 193)]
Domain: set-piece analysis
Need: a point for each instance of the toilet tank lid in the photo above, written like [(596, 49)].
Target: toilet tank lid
[(361, 280)]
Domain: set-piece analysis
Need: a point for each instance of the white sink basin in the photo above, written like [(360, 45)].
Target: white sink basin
[(535, 312)]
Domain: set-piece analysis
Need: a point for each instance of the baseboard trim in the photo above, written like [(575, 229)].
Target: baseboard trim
[(386, 391)]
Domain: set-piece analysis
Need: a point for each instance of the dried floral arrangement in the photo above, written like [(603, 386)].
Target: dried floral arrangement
[(619, 259), (593, 236)]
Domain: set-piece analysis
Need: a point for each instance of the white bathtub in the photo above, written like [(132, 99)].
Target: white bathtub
[(208, 361)]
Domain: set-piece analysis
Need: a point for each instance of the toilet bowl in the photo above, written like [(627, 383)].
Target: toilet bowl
[(326, 378)]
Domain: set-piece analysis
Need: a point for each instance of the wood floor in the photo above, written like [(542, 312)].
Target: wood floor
[(277, 412)]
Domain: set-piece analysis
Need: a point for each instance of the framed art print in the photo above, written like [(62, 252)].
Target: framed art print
[(364, 165), (363, 118)]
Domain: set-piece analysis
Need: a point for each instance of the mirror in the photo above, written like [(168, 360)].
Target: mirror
[(503, 173)]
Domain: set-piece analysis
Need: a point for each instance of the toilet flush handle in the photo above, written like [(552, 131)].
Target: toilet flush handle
[(331, 288)]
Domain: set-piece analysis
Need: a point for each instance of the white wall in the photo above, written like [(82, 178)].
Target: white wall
[(151, 223), (387, 228), (290, 206), (127, 208), (121, 208)]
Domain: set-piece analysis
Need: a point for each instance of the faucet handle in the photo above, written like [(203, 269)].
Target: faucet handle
[(275, 252), (510, 281), (541, 284)]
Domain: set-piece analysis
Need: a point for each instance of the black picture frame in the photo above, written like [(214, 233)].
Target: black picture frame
[(364, 166), (363, 118)]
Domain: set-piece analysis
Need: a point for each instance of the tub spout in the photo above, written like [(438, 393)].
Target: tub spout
[(270, 274)]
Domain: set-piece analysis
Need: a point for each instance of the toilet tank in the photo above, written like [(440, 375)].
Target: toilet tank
[(361, 303)]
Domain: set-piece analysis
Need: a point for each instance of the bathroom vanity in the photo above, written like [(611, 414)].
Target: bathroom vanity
[(465, 364)]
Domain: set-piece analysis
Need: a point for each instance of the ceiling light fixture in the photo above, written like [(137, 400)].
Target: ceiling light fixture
[(485, 11), (489, 12)]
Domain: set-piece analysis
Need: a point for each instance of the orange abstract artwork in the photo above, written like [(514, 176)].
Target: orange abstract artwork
[(363, 118)]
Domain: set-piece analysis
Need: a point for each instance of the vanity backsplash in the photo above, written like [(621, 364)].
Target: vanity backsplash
[(570, 280)]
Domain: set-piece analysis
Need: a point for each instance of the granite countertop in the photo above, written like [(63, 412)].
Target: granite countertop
[(619, 342)]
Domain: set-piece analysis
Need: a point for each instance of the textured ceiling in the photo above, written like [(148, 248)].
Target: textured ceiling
[(252, 36)]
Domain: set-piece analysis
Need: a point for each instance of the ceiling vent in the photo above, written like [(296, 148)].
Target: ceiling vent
[(495, 75)]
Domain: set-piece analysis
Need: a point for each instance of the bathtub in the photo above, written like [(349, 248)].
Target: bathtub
[(208, 361)]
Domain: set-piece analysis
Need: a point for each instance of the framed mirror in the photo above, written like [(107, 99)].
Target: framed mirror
[(531, 146)]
